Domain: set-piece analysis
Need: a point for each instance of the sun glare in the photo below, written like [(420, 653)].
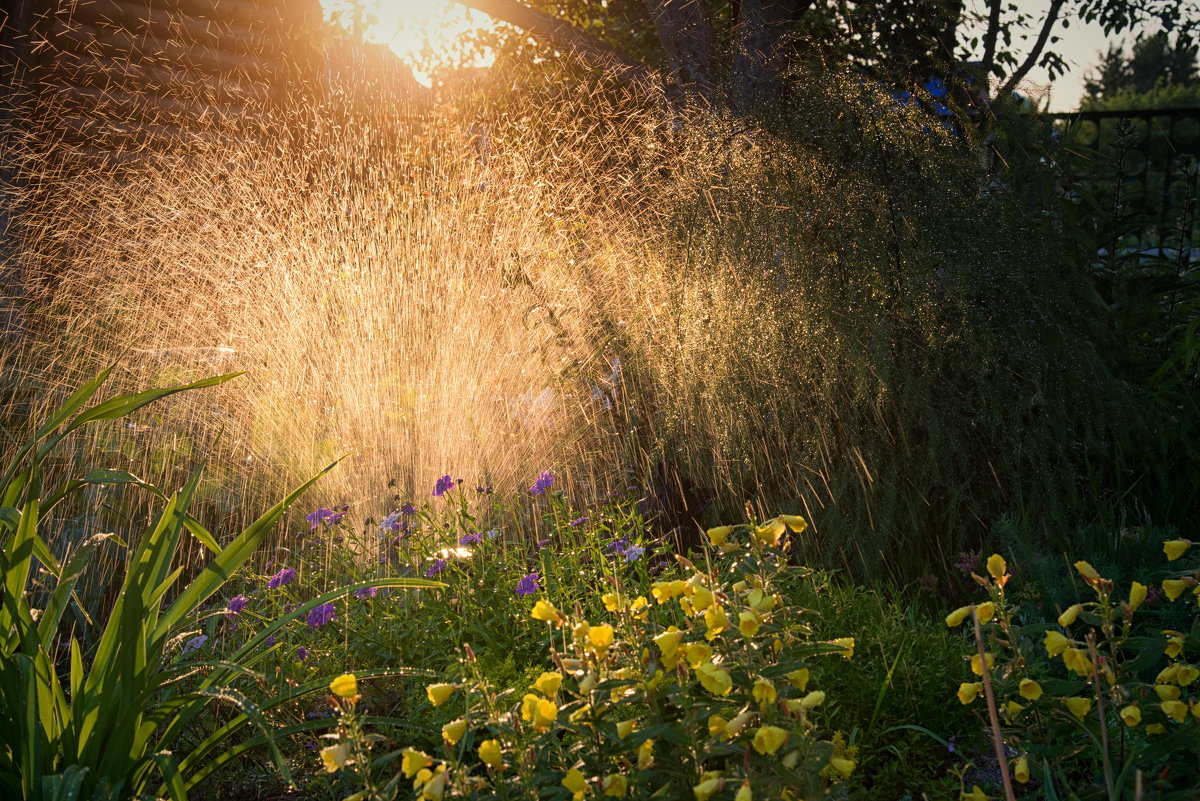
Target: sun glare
[(427, 35)]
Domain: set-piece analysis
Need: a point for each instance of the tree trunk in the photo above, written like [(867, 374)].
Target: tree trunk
[(760, 51), (686, 36)]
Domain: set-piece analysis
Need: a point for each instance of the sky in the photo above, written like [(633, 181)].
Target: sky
[(408, 26)]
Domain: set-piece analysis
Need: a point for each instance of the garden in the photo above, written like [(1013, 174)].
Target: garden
[(552, 435)]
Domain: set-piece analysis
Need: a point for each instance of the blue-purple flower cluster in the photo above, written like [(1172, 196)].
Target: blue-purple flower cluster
[(543, 483), (528, 584), (330, 517)]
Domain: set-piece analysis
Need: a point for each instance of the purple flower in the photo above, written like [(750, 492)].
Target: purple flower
[(579, 521), (408, 509), (618, 546), (483, 490), (392, 522), (270, 640), (302, 653), (196, 643), (237, 605), (437, 567), (528, 584), (318, 517), (542, 544), (366, 592), (634, 553), (282, 578), (469, 539), (442, 486), (320, 615), (542, 484)]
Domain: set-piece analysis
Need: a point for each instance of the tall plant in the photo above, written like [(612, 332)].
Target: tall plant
[(107, 732)]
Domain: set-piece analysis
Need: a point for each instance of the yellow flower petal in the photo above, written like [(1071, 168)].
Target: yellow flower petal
[(710, 782), (1176, 710), (1175, 548), (575, 783), (1132, 715), (491, 754), (334, 757), (798, 678), (1056, 643), (769, 739), (1079, 706), (986, 611), (1030, 689), (796, 523), (1137, 594), (438, 693), (412, 762), (843, 766), (847, 645), (1069, 615), (600, 637), (344, 686), (770, 533), (713, 679), (614, 785), (996, 566), (1021, 770), (968, 691), (548, 683), (1174, 588), (744, 792), (545, 611), (718, 535), (748, 623), (956, 617), (1087, 571), (453, 731)]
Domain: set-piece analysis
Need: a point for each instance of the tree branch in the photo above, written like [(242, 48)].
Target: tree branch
[(1036, 52), (989, 37), (563, 36)]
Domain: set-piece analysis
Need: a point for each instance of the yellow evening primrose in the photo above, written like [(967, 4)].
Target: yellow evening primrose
[(1077, 661), (1087, 571), (491, 754), (453, 731), (1174, 709), (538, 711), (668, 644), (1156, 728), (1174, 644), (1079, 706), (702, 598), (334, 757), (716, 621), (718, 535), (639, 608), (1012, 709), (580, 631), (1021, 770), (710, 782), (664, 591), (763, 692), (438, 693), (435, 788), (1137, 594), (846, 644), (975, 795), (770, 533), (548, 683), (575, 783), (1056, 643), (986, 611), (843, 766), (547, 612), (697, 653), (748, 623), (996, 566), (1166, 692), (613, 601), (412, 762), (1030, 689), (1069, 615), (713, 679), (1175, 548), (600, 637), (744, 792), (1132, 715), (796, 523), (615, 785), (812, 700), (625, 728), (736, 725), (716, 725), (769, 739), (977, 665), (798, 678), (1174, 588), (645, 755), (956, 617), (1186, 675), (344, 686), (968, 691)]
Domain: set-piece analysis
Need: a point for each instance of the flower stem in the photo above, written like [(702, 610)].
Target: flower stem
[(993, 713)]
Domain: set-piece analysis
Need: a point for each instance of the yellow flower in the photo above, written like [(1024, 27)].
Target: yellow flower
[(435, 787), (548, 683), (668, 645), (843, 766), (624, 728), (1175, 548), (1132, 715), (1056, 643), (600, 637), (986, 611), (716, 725), (968, 691), (1012, 709), (1021, 770), (575, 784), (547, 612), (702, 598), (1186, 675), (638, 607), (1174, 588), (956, 617), (736, 725), (1030, 689), (1156, 728), (1195, 707), (1174, 709), (716, 620), (1079, 706), (615, 785), (491, 754), (718, 535), (812, 700), (975, 795), (645, 755), (335, 757), (1087, 571), (798, 678), (763, 692), (769, 739), (412, 762), (976, 664), (710, 782), (1174, 644), (1137, 594), (1166, 692), (996, 566), (1077, 661), (613, 601), (713, 679), (795, 522), (846, 644), (438, 693), (744, 792), (580, 631), (769, 533), (748, 624), (538, 711), (452, 732), (664, 591), (698, 653), (344, 686), (1068, 616)]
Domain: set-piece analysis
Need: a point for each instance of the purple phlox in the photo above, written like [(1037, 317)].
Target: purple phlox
[(320, 615), (367, 592), (282, 578), (634, 553), (470, 539), (195, 643), (443, 485), (437, 567), (237, 604), (408, 509), (618, 546), (270, 640), (579, 521), (492, 533), (302, 653), (542, 543), (528, 584), (484, 490), (330, 517), (658, 567), (542, 484)]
